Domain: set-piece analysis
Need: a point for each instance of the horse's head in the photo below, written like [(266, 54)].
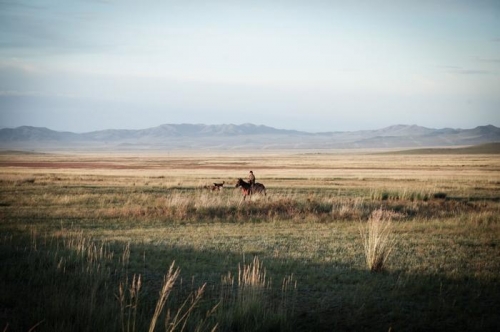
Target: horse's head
[(240, 181)]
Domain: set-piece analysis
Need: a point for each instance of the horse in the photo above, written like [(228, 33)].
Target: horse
[(247, 189)]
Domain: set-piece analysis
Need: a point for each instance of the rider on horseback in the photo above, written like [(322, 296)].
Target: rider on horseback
[(251, 178)]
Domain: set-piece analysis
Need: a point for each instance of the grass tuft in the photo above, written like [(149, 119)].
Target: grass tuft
[(378, 240), (248, 307)]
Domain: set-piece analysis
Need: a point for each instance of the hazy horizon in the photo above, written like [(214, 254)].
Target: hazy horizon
[(255, 124), (313, 66)]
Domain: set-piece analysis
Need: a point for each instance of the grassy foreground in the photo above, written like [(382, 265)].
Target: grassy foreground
[(136, 242)]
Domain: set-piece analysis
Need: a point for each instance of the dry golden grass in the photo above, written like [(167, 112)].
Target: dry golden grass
[(378, 239), (138, 213)]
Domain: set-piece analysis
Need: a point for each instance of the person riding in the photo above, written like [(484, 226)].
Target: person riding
[(251, 178)]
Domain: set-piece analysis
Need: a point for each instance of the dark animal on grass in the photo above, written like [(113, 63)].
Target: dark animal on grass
[(247, 189), (215, 186), (218, 186)]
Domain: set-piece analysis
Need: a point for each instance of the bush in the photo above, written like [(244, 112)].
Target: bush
[(439, 195)]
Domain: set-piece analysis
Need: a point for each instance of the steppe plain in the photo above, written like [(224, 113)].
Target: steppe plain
[(79, 229)]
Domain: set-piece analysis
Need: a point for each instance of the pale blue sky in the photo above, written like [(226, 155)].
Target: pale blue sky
[(305, 65)]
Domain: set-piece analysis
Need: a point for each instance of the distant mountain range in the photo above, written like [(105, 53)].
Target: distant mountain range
[(245, 136)]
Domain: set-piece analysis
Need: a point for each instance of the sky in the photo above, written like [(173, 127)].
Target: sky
[(85, 65)]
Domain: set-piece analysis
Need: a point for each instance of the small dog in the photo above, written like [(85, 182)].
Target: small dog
[(218, 186)]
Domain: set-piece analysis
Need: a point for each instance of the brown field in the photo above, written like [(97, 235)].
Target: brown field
[(146, 210)]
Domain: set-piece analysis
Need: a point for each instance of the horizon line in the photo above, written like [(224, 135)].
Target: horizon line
[(248, 123)]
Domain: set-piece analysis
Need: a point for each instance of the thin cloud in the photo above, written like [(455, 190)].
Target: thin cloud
[(16, 93), (489, 60), (473, 72), (464, 71), (20, 65), (25, 28)]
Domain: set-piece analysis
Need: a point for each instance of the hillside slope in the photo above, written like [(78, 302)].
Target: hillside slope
[(245, 136)]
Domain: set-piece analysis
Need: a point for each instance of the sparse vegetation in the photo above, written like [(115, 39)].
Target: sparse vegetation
[(86, 248)]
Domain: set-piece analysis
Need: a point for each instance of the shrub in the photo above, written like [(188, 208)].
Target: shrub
[(439, 195)]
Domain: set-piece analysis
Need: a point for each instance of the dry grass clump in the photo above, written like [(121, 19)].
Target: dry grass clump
[(252, 277), (378, 240), (406, 194), (248, 307), (16, 180)]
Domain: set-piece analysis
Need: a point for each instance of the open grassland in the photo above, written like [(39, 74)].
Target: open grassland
[(88, 241)]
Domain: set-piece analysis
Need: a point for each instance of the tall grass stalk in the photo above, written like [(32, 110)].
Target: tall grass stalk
[(168, 284), (378, 239), (252, 276), (129, 303), (179, 321)]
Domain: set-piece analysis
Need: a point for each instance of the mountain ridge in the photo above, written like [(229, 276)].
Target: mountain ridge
[(247, 135)]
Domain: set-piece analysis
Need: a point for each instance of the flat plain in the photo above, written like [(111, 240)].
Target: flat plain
[(77, 230)]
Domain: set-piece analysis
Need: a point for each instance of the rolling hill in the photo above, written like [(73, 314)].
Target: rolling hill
[(487, 148), (245, 136)]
